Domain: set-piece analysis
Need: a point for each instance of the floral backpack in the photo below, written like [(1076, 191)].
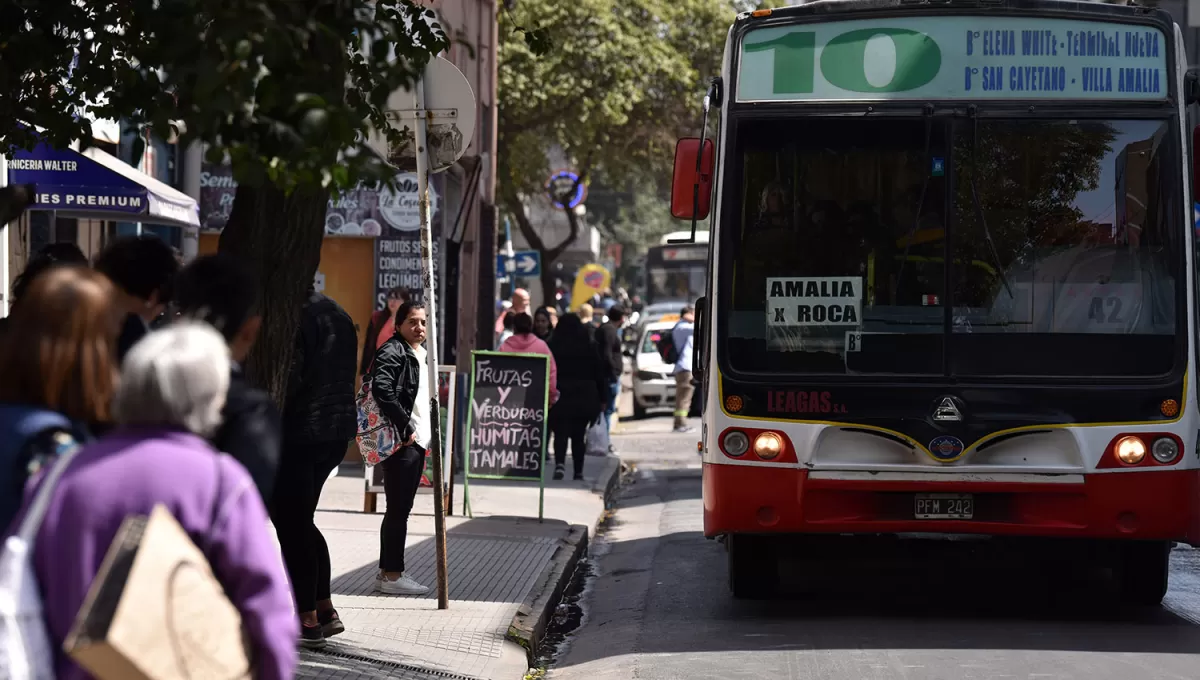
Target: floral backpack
[(377, 437)]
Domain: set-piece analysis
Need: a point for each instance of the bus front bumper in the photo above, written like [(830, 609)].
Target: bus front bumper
[(1150, 505)]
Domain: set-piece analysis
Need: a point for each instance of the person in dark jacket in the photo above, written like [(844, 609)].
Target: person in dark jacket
[(400, 385), (582, 387), (608, 337), (319, 420), (143, 269), (382, 327), (220, 290)]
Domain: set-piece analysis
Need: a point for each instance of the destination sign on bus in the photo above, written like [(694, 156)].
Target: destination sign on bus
[(946, 57), (685, 254)]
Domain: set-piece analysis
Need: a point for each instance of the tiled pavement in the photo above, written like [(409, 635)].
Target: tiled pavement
[(494, 561)]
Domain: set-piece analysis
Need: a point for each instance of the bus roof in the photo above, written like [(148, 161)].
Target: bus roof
[(701, 236)]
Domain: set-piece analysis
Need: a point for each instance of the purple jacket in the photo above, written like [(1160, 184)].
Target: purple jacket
[(128, 472)]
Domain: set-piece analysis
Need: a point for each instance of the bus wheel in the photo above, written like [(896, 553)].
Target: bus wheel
[(753, 568), (1142, 572)]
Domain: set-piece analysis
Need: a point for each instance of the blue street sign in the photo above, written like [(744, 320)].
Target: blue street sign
[(524, 263)]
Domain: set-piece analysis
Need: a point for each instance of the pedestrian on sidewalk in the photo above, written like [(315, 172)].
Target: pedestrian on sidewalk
[(158, 455), (681, 338), (544, 321), (523, 341), (382, 326), (583, 388), (587, 314), (400, 385), (519, 305), (221, 291), (319, 420), (608, 337), (59, 373), (143, 269)]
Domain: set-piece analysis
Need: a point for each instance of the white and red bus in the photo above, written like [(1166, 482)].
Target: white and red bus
[(952, 280)]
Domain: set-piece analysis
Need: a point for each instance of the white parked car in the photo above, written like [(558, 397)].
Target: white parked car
[(653, 382)]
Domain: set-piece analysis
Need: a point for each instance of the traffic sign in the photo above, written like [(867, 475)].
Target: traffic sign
[(523, 263)]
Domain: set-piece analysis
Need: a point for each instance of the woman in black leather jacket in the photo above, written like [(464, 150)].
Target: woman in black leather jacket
[(401, 389)]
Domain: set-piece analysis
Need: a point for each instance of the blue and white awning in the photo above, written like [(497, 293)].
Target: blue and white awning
[(96, 185)]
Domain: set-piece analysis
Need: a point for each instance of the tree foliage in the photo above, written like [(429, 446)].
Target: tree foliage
[(620, 83), (287, 88)]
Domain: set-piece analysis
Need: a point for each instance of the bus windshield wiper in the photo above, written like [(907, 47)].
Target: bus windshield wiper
[(908, 239), (987, 234)]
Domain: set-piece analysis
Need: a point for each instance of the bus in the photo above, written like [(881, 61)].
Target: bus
[(676, 273), (952, 285)]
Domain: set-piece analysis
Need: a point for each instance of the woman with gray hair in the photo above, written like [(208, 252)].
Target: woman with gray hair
[(172, 388)]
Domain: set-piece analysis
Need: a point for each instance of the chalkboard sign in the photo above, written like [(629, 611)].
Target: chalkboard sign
[(509, 403)]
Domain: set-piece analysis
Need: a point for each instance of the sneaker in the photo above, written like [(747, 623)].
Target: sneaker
[(311, 636), (559, 472), (331, 623), (401, 586), (579, 476), (684, 429)]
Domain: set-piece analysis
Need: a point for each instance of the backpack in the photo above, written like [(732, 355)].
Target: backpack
[(25, 648), (667, 348)]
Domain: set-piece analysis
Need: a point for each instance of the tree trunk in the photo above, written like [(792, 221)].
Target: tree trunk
[(548, 277), (279, 236)]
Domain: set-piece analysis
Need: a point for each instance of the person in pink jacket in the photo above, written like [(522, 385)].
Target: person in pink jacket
[(523, 341)]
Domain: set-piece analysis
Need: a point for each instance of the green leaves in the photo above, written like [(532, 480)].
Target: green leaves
[(288, 89), (609, 84)]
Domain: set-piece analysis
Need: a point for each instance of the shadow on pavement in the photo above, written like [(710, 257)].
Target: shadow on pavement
[(492, 559), (668, 594)]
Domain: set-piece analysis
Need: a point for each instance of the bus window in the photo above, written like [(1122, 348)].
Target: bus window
[(1075, 215), (846, 220)]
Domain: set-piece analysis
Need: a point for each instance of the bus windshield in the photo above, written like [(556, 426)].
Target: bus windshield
[(953, 247), (676, 273)]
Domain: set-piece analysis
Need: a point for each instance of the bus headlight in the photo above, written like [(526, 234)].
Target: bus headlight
[(1165, 450), (1130, 450), (768, 445), (735, 443)]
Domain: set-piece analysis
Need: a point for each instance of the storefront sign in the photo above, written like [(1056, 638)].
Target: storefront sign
[(390, 216), (398, 247), (362, 212), (95, 184), (949, 57)]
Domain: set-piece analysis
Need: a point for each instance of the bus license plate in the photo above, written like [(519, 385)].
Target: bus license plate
[(944, 506)]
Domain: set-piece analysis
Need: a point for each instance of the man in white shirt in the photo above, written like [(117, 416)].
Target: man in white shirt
[(681, 337)]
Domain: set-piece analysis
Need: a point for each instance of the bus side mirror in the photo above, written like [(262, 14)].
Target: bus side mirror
[(1191, 86), (691, 191)]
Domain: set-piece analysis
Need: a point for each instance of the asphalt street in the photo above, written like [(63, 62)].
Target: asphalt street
[(658, 606)]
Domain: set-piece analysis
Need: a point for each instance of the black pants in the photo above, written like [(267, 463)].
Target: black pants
[(302, 472), (573, 430), (401, 478)]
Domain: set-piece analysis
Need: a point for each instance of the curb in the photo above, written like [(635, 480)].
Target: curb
[(529, 625)]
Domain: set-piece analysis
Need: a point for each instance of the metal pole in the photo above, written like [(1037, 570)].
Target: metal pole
[(427, 274)]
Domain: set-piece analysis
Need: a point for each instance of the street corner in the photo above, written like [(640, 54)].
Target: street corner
[(529, 624)]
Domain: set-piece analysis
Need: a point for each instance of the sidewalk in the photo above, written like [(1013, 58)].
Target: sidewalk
[(506, 572)]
